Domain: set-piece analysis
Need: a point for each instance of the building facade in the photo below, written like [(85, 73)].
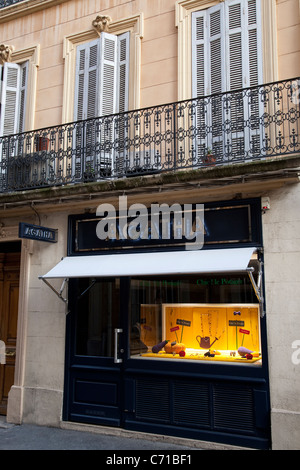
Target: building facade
[(149, 217)]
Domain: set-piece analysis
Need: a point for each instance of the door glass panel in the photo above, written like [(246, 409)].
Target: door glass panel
[(97, 316)]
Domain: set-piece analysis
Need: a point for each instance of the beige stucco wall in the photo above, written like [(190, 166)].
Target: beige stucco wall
[(281, 228), (37, 396), (288, 38), (45, 349), (50, 26)]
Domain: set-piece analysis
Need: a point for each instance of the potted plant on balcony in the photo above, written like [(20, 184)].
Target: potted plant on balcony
[(89, 173), (209, 158)]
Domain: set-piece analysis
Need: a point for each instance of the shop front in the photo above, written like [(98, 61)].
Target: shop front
[(168, 340)]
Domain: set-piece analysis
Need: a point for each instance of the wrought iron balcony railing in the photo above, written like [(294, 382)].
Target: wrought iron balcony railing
[(235, 127), (8, 3)]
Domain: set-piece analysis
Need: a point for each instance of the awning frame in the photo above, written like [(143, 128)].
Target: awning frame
[(58, 293), (63, 286), (257, 285)]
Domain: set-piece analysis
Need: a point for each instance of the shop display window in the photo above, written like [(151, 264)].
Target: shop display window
[(212, 318)]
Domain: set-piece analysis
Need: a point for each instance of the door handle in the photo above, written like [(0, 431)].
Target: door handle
[(116, 355)]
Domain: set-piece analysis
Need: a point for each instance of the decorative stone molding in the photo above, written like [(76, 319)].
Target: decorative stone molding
[(5, 53), (102, 23)]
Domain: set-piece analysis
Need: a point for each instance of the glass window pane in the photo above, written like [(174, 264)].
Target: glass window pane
[(201, 317), (97, 316)]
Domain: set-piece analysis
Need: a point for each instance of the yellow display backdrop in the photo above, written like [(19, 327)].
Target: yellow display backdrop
[(243, 328), (150, 321), (223, 327)]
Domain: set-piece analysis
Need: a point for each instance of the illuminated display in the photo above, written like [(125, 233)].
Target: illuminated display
[(214, 332)]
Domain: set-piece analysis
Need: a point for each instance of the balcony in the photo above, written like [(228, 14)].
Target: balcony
[(246, 125), (8, 3)]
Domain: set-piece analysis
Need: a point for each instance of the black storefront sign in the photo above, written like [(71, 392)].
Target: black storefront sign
[(231, 223), (37, 232)]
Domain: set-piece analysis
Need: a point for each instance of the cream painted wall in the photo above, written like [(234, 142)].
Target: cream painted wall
[(37, 393), (281, 229), (288, 38), (43, 380), (48, 28), (45, 349)]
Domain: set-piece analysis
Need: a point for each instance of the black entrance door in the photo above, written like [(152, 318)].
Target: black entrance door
[(96, 348)]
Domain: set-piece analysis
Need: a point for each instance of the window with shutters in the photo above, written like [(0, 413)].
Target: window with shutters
[(13, 98), (14, 78), (101, 91), (226, 59)]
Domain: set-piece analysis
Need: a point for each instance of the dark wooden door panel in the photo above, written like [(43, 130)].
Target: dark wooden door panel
[(9, 298)]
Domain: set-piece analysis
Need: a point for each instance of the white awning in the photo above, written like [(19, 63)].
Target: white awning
[(159, 263)]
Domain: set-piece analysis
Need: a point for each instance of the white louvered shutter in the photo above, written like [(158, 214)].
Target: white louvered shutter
[(199, 53), (216, 36), (123, 72), (108, 74), (79, 111), (101, 90), (92, 109), (226, 56), (216, 80), (236, 77), (208, 51), (107, 99), (23, 95), (243, 43), (10, 99), (244, 70), (121, 126), (80, 84), (209, 77), (254, 41), (87, 81), (200, 81), (12, 118), (86, 107), (236, 73), (102, 77), (255, 105)]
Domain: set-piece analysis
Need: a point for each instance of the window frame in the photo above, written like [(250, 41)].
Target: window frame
[(183, 21), (30, 55), (134, 25)]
